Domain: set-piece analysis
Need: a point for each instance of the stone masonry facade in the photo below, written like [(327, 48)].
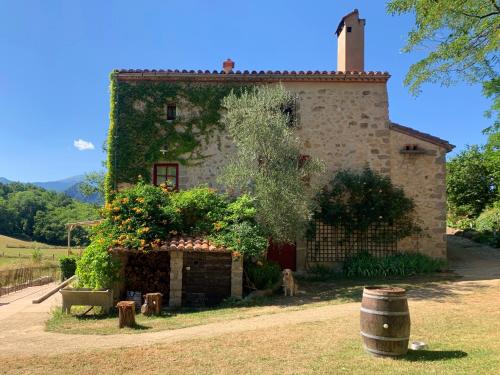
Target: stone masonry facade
[(345, 122)]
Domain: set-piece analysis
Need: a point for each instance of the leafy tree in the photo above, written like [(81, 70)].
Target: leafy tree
[(462, 38), (26, 204), (30, 211), (93, 184), (470, 184), (7, 218), (50, 225), (492, 156), (361, 200), (267, 163)]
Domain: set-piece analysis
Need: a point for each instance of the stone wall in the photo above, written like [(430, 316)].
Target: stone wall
[(346, 124), (213, 275), (422, 176)]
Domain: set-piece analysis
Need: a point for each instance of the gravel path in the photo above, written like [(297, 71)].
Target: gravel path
[(22, 324)]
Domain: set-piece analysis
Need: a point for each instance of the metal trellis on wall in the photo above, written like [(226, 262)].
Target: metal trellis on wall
[(330, 243)]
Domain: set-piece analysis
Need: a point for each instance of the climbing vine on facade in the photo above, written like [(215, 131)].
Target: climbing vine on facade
[(140, 134)]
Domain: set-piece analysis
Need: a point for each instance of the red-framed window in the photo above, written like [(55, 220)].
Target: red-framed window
[(166, 173)]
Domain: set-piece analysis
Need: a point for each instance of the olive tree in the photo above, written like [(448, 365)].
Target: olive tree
[(267, 162)]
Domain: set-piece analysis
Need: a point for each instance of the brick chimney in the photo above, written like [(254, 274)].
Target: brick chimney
[(351, 43), (228, 66)]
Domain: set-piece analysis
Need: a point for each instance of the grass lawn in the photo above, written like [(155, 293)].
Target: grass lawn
[(316, 294), (461, 330), (17, 253)]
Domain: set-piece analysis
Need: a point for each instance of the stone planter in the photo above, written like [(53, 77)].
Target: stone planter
[(86, 297)]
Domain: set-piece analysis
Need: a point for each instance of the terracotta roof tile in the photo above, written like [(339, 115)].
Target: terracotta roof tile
[(276, 75), (190, 244), (423, 136)]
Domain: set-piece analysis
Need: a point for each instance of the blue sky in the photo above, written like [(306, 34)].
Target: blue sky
[(56, 57)]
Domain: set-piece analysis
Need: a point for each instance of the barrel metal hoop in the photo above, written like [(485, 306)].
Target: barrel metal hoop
[(384, 298), (386, 313), (382, 338), (380, 352)]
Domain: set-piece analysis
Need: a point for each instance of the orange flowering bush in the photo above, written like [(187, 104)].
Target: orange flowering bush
[(141, 217), (144, 216)]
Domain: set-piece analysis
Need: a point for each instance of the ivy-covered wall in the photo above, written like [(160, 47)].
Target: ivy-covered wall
[(139, 129)]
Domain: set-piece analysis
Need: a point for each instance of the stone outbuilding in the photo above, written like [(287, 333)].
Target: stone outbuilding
[(187, 271), (341, 117)]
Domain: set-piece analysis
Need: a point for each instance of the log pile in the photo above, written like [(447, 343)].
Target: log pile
[(148, 272), (126, 314)]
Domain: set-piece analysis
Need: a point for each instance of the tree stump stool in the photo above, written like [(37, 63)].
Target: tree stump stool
[(126, 314), (152, 304)]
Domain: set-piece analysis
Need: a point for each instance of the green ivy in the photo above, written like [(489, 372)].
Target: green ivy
[(136, 136)]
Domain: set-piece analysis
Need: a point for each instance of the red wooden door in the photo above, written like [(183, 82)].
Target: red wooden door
[(283, 253)]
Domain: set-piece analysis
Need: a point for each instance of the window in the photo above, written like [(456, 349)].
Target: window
[(349, 29), (166, 173), (290, 109), (171, 112)]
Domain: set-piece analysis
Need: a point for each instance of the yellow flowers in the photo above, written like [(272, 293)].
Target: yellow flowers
[(139, 200), (125, 200), (218, 226)]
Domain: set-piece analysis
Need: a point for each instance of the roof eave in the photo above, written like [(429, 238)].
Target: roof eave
[(422, 136), (254, 76)]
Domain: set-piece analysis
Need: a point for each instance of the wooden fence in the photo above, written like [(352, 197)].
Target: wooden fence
[(12, 280)]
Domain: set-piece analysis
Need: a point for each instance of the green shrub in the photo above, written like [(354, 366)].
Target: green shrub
[(244, 238), (198, 209), (96, 268), (263, 274), (37, 256), (323, 273), (360, 200), (144, 216), (405, 264), (68, 266), (489, 220), (470, 183)]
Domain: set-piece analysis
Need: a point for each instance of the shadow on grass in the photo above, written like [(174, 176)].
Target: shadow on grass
[(433, 355), (139, 327), (111, 315)]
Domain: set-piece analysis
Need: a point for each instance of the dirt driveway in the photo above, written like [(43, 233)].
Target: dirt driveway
[(22, 324)]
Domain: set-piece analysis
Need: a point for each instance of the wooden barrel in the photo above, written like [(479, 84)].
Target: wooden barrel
[(385, 321)]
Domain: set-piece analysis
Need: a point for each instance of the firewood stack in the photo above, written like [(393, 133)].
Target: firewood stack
[(148, 272)]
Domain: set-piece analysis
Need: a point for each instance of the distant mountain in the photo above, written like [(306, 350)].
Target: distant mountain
[(68, 186), (74, 192), (60, 185)]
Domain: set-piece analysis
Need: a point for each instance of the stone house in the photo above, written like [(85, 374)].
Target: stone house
[(342, 117)]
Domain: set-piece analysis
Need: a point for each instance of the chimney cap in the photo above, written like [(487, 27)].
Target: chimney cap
[(228, 65), (342, 21)]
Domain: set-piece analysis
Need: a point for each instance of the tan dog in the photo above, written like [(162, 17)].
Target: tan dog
[(290, 286)]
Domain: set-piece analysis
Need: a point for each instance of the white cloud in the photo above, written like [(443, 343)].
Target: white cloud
[(82, 145)]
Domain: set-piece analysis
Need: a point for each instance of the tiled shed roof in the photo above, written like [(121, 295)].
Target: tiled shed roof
[(182, 244), (190, 244), (423, 136), (247, 75)]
